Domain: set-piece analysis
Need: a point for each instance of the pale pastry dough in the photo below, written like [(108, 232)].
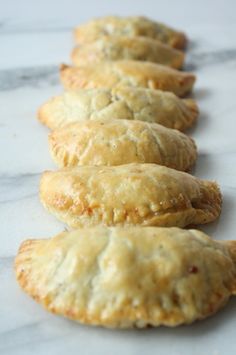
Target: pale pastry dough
[(127, 73), (126, 277), (130, 27), (145, 194), (142, 104), (118, 142), (136, 48)]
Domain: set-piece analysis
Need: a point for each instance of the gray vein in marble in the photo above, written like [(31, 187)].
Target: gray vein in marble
[(17, 328), (203, 59), (26, 30), (6, 27), (227, 187), (28, 334), (26, 197), (42, 76), (18, 187), (206, 154), (25, 334), (39, 77), (9, 179)]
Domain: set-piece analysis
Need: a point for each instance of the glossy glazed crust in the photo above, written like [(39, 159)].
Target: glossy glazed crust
[(136, 48), (118, 142), (149, 105), (127, 73), (130, 27), (126, 277), (132, 194)]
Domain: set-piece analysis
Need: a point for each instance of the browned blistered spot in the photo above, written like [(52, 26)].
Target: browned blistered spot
[(71, 313), (219, 295), (87, 210), (193, 269), (126, 213), (182, 81), (175, 298)]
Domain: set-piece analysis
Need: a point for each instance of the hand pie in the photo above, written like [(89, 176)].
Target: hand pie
[(145, 194), (126, 277), (127, 73), (130, 27), (118, 142), (153, 106), (136, 48)]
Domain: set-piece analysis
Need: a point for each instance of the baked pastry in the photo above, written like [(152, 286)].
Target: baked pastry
[(144, 194), (126, 277), (118, 142), (130, 27), (127, 73), (122, 47), (142, 104)]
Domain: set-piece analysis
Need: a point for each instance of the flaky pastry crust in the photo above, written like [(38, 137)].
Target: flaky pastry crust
[(122, 47), (118, 142), (129, 26), (132, 194), (127, 73), (154, 106), (127, 277)]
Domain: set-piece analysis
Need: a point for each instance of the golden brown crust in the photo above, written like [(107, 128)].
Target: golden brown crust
[(131, 48), (126, 277), (144, 194), (118, 142), (149, 105), (127, 73), (130, 27)]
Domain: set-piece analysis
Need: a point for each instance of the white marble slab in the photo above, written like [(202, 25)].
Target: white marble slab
[(34, 38)]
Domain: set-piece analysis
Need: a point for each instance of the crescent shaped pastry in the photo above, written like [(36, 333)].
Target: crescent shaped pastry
[(126, 277), (127, 73), (118, 142), (130, 27), (135, 48), (145, 194), (149, 105)]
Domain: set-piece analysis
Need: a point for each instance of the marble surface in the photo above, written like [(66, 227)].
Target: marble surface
[(34, 38)]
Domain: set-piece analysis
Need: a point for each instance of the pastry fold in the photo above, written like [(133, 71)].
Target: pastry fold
[(149, 105), (118, 142), (132, 194), (127, 73), (129, 26), (129, 277), (136, 48)]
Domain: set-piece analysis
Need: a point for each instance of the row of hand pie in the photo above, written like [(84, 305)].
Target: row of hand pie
[(108, 117), (133, 51), (114, 134), (126, 277)]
